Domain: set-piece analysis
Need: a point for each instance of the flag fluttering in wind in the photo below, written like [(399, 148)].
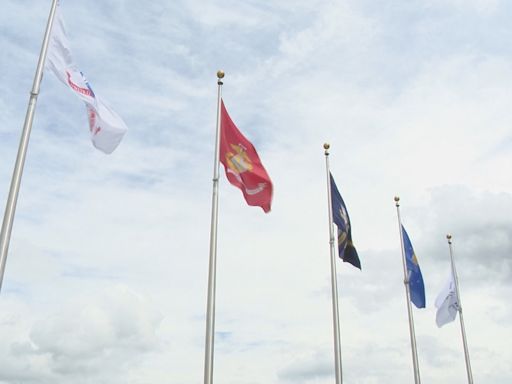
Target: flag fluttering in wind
[(244, 170), (447, 303), (416, 285), (242, 164), (346, 248), (106, 127)]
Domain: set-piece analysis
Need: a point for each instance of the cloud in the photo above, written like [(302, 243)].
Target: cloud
[(307, 369), (479, 224), (106, 276), (480, 6), (88, 339)]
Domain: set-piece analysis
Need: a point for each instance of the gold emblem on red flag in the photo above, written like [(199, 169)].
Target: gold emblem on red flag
[(238, 160)]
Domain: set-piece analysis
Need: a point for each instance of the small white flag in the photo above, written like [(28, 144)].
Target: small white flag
[(447, 303), (106, 127)]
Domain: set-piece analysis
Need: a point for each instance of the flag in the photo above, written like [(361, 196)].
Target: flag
[(446, 303), (416, 285), (242, 164), (346, 248), (106, 127)]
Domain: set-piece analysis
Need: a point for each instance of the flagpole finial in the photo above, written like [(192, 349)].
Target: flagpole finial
[(449, 237), (326, 147), (220, 76), (397, 201)]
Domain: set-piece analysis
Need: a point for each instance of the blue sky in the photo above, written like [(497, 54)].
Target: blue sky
[(106, 275)]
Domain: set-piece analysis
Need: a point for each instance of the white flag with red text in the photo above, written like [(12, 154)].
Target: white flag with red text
[(106, 127)]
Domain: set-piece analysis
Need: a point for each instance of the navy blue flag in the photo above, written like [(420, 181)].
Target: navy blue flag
[(346, 249), (416, 286)]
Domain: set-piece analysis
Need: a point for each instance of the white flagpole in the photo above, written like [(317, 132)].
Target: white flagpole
[(334, 285), (408, 299), (10, 209), (462, 328), (210, 310)]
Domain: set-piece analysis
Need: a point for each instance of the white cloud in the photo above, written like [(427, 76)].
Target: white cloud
[(106, 276), (91, 338), (480, 6)]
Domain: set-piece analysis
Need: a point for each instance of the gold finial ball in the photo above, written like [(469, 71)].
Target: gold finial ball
[(449, 237), (326, 146), (220, 73), (397, 199)]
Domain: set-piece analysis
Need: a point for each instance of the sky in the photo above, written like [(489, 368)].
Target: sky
[(106, 277)]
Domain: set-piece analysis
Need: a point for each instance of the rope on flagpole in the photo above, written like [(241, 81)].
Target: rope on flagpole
[(212, 271), (334, 285), (461, 318), (408, 299), (12, 199)]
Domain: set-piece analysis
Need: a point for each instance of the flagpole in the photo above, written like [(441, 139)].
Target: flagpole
[(462, 327), (334, 286), (10, 209), (408, 299), (210, 310)]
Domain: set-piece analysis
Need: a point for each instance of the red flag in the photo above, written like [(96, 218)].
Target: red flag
[(242, 164)]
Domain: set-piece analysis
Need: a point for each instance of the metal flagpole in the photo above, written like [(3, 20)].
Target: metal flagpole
[(5, 234), (462, 328), (408, 298), (210, 310), (334, 286)]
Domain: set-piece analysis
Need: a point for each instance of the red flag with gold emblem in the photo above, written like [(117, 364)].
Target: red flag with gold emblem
[(242, 164)]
